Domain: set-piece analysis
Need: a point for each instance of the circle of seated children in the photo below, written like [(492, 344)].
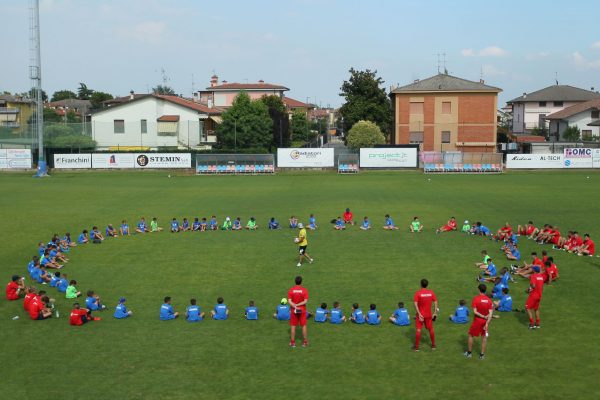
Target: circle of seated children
[(53, 256)]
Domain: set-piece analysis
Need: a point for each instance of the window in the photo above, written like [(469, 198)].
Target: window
[(586, 133), (445, 136), (119, 125), (416, 108), (595, 114), (558, 104), (542, 104), (415, 137), (446, 107), (143, 126)]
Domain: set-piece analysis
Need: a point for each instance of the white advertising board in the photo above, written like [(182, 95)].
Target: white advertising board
[(113, 160), (596, 158), (578, 158), (305, 158), (163, 160), (534, 161), (15, 158), (72, 161), (388, 157)]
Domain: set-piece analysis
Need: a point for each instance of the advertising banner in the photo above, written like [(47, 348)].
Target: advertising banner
[(163, 160), (72, 161), (578, 158), (388, 158), (305, 158), (15, 158), (596, 158), (534, 161), (114, 160)]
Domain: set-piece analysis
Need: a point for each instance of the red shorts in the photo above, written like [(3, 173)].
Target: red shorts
[(530, 230), (477, 327), (298, 319), (447, 228), (427, 322), (533, 301)]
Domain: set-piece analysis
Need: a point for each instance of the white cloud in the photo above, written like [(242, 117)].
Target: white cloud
[(581, 62), (145, 32), (595, 45), (490, 51)]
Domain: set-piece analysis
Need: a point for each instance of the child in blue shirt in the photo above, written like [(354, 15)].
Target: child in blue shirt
[(174, 225), (55, 279), (505, 302), (389, 223), (357, 315), (340, 225), (121, 310), (336, 314), (62, 284), (497, 290), (461, 315), (83, 237), (400, 317), (373, 317), (196, 224), (366, 224), (293, 222), (488, 271), (185, 225), (251, 312), (92, 302), (321, 313), (213, 224), (193, 313), (282, 313), (166, 310), (220, 312), (273, 224), (312, 222)]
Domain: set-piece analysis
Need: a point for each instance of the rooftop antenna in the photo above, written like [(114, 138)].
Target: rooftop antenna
[(164, 75), (444, 59), (35, 76), (193, 85), (481, 73), (556, 77), (439, 64)]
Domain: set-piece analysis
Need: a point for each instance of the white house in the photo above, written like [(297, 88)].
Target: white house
[(154, 121), (529, 111), (583, 115)]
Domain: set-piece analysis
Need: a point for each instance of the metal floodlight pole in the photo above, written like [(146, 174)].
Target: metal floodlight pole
[(35, 74)]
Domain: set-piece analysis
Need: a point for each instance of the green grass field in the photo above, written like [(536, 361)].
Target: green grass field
[(144, 358)]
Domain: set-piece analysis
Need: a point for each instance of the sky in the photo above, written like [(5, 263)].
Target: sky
[(306, 45)]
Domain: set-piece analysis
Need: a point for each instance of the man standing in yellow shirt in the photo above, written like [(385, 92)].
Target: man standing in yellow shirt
[(302, 245)]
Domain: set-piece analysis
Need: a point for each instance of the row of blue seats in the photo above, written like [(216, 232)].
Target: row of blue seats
[(430, 167), (238, 168), (350, 168)]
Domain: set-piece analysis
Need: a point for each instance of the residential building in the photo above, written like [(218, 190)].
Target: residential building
[(15, 112), (155, 121), (584, 116), (446, 113), (222, 94), (293, 105), (529, 111)]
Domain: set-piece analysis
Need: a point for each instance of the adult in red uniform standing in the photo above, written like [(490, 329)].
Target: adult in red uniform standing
[(423, 299), (532, 305), (482, 315), (297, 299)]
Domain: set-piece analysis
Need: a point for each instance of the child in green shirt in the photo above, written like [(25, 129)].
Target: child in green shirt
[(251, 225), (154, 225), (72, 292), (466, 228)]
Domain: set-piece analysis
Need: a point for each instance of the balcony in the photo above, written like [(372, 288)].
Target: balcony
[(9, 110), (8, 124)]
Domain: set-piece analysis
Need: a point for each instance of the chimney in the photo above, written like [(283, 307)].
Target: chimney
[(524, 95), (223, 82), (416, 81), (214, 80), (481, 81), (131, 95), (261, 81)]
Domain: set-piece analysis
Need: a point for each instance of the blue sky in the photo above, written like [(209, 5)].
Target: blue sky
[(306, 45)]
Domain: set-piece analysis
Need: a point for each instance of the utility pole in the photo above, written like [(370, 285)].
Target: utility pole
[(35, 75)]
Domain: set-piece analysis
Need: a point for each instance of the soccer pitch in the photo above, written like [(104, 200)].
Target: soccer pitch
[(144, 358)]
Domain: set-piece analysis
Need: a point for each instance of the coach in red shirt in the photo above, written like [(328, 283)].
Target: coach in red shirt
[(297, 299), (532, 305), (423, 299), (482, 315)]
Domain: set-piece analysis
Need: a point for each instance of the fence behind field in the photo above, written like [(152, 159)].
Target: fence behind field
[(460, 162), (235, 164)]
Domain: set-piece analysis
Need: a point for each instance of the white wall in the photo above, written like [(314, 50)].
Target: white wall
[(533, 110), (580, 120), (149, 109)]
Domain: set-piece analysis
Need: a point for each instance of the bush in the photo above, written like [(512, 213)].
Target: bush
[(364, 134)]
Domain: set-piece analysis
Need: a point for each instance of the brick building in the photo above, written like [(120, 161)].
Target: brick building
[(446, 113)]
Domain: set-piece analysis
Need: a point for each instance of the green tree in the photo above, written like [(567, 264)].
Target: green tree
[(537, 131), (299, 126), (98, 97), (51, 116), (365, 100), (365, 134), (164, 90), (280, 120), (66, 136), (572, 133), (63, 95), (31, 94), (246, 124), (84, 93)]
